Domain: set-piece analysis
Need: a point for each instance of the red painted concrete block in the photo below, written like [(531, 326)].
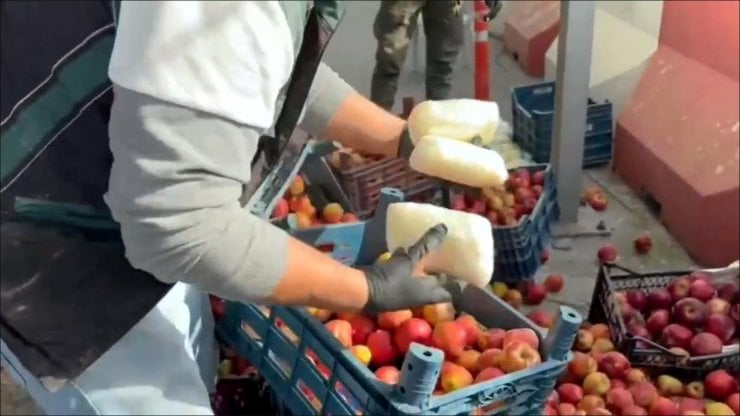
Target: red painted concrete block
[(529, 31), (678, 139)]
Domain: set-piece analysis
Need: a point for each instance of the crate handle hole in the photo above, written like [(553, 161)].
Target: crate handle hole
[(402, 390), (410, 367), (426, 354), (325, 248), (572, 315)]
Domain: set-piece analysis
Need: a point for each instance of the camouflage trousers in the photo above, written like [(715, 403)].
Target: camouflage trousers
[(394, 28)]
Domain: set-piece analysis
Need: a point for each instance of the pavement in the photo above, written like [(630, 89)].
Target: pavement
[(627, 217)]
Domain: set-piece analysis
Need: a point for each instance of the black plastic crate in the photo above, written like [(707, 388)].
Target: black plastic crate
[(650, 354)]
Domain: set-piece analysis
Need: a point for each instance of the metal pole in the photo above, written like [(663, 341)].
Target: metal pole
[(571, 101)]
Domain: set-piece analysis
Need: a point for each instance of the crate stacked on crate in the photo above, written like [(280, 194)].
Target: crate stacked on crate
[(313, 199), (362, 178), (521, 214), (533, 108), (681, 323), (318, 368)]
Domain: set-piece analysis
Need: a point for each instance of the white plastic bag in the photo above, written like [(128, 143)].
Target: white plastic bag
[(467, 251)]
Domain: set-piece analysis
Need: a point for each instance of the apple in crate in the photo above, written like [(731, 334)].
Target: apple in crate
[(690, 312), (519, 355), (679, 288), (388, 374), (382, 348), (412, 330)]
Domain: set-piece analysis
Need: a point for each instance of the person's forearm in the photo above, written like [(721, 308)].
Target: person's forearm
[(229, 252), (335, 111), (361, 125), (313, 278)]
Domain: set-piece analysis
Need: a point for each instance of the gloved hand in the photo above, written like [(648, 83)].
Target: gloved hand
[(405, 145), (393, 286)]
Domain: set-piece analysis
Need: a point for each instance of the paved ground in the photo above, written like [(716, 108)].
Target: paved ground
[(626, 216)]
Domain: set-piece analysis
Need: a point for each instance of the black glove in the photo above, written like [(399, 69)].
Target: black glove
[(392, 286), (405, 145)]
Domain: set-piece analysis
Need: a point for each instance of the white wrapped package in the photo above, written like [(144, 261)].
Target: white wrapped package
[(458, 119), (465, 254), (458, 162)]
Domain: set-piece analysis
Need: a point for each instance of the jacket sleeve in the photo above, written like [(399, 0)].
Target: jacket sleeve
[(327, 93), (174, 188)]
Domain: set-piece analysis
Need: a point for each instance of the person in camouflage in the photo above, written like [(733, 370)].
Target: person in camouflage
[(395, 25)]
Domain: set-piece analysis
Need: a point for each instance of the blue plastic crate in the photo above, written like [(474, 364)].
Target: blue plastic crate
[(311, 373), (533, 108), (519, 247)]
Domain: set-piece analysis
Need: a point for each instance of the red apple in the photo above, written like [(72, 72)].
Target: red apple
[(627, 312), (382, 350), (644, 393), (734, 402), (570, 393), (618, 399), (702, 290), (637, 299), (643, 244), (281, 209), (525, 175), (690, 312), (638, 330), (388, 374), (529, 205), (690, 403), (458, 203), (660, 299), (634, 410), (719, 385), (718, 305), (720, 325), (538, 178), (478, 207), (598, 201), (536, 293), (729, 292), (412, 330), (658, 320), (607, 254), (675, 335), (554, 283), (614, 364), (537, 191), (493, 218), (679, 288), (523, 194), (705, 343), (362, 327), (541, 318), (663, 406)]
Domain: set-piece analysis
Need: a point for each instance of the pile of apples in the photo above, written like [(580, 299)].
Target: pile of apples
[(504, 205), (473, 354), (602, 381), (530, 292), (692, 316), (298, 203), (345, 158)]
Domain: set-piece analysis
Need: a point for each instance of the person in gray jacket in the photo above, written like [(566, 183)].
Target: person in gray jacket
[(206, 99)]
